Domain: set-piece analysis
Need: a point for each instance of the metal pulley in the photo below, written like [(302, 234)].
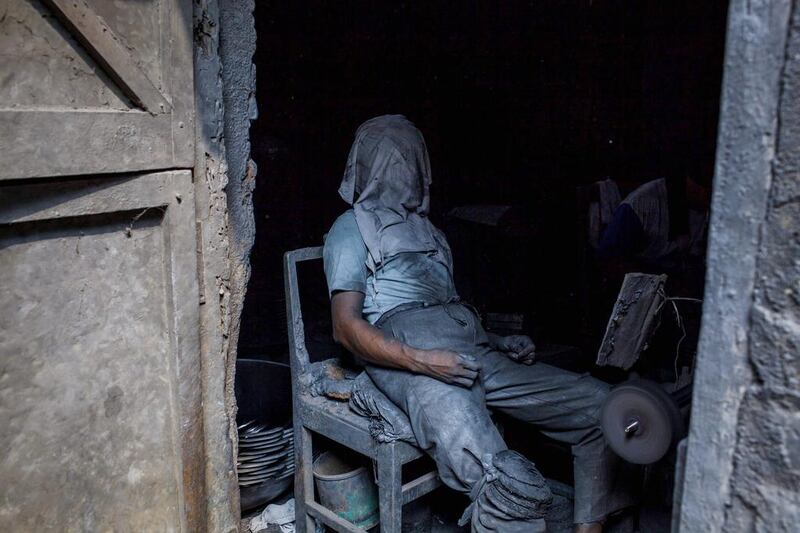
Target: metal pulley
[(641, 421)]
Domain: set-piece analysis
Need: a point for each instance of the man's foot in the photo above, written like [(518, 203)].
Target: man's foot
[(594, 527)]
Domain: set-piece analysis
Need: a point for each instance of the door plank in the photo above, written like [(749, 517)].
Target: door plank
[(86, 142), (102, 396), (68, 135), (107, 49)]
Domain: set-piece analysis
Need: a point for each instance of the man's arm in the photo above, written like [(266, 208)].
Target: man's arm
[(365, 340)]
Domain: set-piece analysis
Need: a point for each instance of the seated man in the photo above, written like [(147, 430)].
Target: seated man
[(394, 304)]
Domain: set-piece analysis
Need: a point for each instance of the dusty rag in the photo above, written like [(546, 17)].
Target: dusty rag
[(387, 423), (387, 181), (330, 378), (281, 515)]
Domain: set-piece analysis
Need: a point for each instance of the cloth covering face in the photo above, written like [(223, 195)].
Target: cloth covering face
[(387, 181)]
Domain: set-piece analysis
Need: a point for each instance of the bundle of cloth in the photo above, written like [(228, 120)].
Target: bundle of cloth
[(387, 423), (512, 496)]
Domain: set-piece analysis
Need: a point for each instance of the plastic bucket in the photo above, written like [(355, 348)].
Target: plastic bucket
[(347, 489)]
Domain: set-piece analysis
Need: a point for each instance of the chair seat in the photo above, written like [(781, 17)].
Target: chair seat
[(335, 420)]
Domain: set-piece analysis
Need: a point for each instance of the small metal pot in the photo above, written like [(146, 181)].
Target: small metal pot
[(347, 489)]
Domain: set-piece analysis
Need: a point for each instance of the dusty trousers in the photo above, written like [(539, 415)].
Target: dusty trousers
[(453, 425)]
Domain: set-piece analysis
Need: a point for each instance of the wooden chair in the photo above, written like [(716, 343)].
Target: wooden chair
[(334, 420)]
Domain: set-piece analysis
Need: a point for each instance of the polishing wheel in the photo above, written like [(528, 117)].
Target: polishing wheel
[(641, 421)]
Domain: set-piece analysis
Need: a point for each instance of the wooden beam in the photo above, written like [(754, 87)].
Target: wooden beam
[(420, 486), (107, 50), (331, 519)]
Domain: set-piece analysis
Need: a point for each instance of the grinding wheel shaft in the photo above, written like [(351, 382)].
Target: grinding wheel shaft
[(631, 428)]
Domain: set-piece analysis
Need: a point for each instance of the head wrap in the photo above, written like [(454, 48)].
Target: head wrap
[(387, 180)]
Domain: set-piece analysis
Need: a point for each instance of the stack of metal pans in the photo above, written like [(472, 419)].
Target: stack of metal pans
[(265, 462), (265, 454)]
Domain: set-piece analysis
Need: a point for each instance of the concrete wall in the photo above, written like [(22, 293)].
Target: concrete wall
[(224, 178), (743, 461)]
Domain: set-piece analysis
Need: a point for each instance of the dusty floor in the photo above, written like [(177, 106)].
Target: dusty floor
[(444, 518)]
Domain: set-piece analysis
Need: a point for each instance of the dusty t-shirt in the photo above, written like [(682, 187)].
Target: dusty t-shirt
[(404, 278)]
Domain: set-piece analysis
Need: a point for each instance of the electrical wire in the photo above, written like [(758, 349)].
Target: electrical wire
[(679, 321)]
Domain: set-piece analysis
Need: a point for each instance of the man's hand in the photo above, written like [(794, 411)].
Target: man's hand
[(519, 348), (447, 366), (362, 338)]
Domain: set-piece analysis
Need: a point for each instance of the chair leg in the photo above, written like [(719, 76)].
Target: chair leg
[(390, 489), (303, 479)]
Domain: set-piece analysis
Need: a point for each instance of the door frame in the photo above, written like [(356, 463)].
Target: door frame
[(756, 56)]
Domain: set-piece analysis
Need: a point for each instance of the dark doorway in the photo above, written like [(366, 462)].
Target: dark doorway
[(520, 104), (523, 105)]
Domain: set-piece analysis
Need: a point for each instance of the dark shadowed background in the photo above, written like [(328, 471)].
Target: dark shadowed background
[(520, 103)]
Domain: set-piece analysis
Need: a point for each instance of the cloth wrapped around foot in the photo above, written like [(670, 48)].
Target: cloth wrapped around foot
[(512, 496)]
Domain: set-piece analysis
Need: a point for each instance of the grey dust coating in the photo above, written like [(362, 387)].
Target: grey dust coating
[(120, 205), (100, 384), (743, 462)]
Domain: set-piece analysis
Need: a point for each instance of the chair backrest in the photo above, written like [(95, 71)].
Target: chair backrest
[(298, 354)]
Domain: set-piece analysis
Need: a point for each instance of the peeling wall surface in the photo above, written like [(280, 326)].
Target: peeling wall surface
[(743, 462), (237, 47), (212, 223), (224, 44)]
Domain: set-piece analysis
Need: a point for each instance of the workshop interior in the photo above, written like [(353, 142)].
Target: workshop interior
[(540, 119)]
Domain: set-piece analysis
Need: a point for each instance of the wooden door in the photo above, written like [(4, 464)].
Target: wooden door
[(95, 87), (100, 403)]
